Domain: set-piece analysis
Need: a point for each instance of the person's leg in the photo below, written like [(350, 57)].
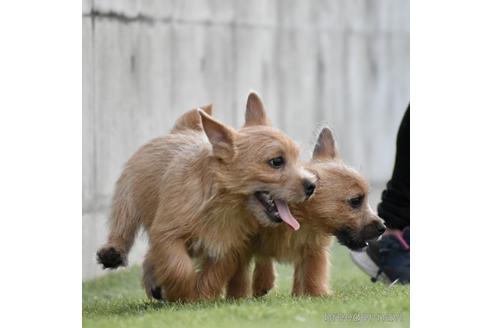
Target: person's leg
[(394, 208), (388, 259)]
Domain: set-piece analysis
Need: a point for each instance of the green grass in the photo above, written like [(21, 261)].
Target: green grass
[(117, 300)]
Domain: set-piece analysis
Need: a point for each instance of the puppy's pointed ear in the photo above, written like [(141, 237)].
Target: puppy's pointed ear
[(255, 111), (325, 148), (220, 136), (207, 109)]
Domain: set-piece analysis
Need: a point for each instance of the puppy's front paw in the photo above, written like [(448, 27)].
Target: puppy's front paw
[(263, 280), (261, 287), (260, 293), (318, 292)]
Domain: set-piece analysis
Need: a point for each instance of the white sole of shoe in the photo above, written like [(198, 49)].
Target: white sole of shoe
[(366, 264)]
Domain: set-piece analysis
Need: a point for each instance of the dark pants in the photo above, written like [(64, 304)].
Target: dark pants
[(394, 208)]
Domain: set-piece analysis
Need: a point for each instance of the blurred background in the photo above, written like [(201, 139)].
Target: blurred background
[(341, 63)]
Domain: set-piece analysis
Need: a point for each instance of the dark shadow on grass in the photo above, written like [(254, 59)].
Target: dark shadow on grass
[(120, 308), (128, 307)]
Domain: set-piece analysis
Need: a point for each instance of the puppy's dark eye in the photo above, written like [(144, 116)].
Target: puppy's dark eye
[(356, 202), (277, 162)]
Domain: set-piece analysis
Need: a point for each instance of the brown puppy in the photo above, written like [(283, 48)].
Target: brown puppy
[(339, 208), (194, 193)]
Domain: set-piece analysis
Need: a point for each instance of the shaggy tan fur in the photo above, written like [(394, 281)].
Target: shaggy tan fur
[(193, 192), (323, 216)]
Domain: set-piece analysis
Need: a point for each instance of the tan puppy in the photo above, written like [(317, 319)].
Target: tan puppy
[(195, 192), (338, 208)]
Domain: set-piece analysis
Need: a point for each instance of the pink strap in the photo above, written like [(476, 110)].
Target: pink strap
[(399, 235)]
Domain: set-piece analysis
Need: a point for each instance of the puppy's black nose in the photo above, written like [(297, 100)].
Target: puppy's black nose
[(309, 187), (381, 228)]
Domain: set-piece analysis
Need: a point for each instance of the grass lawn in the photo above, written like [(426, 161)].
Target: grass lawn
[(117, 300)]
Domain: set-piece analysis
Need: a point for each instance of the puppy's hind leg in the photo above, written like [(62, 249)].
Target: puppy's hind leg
[(263, 277), (149, 284)]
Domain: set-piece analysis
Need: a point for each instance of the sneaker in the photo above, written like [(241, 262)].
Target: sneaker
[(386, 259)]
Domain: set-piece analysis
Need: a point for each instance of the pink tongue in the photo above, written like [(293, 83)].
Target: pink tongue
[(285, 215)]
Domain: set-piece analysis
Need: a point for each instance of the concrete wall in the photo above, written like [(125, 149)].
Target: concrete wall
[(344, 63)]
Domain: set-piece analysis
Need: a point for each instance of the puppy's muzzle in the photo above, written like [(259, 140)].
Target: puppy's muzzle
[(373, 230), (357, 239)]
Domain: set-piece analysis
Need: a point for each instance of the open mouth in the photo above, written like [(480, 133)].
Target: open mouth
[(277, 210)]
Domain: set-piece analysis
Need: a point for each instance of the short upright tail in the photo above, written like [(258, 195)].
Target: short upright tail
[(191, 120), (124, 223), (111, 258)]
